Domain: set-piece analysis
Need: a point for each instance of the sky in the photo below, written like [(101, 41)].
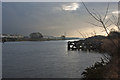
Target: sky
[(54, 18)]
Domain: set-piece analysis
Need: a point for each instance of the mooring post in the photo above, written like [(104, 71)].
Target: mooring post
[(68, 45)]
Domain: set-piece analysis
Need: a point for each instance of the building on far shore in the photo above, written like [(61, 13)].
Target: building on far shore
[(11, 36)]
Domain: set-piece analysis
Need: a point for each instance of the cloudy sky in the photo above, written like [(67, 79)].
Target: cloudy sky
[(53, 18)]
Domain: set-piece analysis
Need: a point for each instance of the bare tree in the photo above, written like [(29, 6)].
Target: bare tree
[(102, 20), (99, 18)]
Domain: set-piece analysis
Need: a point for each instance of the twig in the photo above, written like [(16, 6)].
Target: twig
[(95, 24), (90, 12), (106, 12)]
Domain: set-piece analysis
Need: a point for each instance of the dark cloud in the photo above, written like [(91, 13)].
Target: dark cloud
[(47, 18)]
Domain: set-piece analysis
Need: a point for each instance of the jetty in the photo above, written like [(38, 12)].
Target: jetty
[(89, 44)]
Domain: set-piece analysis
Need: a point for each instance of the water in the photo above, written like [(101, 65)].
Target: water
[(45, 59), (0, 60)]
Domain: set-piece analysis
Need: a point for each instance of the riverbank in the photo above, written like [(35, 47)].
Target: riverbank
[(109, 69), (30, 39)]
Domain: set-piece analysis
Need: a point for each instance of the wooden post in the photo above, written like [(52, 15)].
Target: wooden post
[(68, 45)]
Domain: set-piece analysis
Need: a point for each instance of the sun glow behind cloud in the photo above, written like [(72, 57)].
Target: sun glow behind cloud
[(70, 7), (116, 12)]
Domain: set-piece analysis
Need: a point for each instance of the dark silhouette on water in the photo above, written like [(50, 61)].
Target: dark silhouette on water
[(92, 43)]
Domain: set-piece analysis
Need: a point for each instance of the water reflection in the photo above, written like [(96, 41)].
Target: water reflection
[(49, 59)]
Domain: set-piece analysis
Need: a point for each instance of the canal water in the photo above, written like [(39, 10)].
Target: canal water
[(44, 59)]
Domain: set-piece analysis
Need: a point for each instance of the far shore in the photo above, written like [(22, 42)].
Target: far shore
[(28, 39)]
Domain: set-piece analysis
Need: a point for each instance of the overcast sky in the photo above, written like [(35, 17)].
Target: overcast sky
[(50, 18)]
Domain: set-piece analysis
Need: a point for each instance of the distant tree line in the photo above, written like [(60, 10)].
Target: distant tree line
[(36, 35)]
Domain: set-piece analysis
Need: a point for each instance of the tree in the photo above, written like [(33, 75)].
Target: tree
[(36, 35), (99, 18), (102, 20), (63, 37), (109, 45)]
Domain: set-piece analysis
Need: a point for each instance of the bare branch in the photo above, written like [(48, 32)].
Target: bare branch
[(104, 29), (116, 24), (95, 15), (113, 23), (81, 34), (84, 35), (107, 28), (108, 25), (106, 12), (98, 14), (87, 34), (99, 19), (107, 21), (95, 24), (90, 12), (115, 18)]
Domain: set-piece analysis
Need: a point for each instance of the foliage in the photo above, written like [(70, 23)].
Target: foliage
[(95, 71), (36, 35)]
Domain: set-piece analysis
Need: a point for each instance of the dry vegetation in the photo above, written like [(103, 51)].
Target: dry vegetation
[(110, 69), (112, 47)]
